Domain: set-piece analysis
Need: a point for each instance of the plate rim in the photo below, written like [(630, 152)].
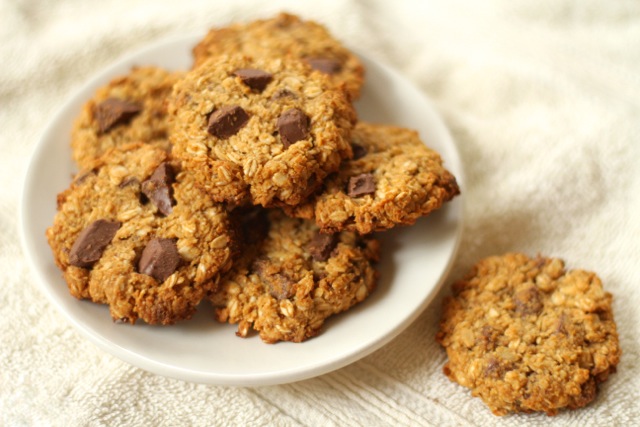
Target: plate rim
[(453, 160)]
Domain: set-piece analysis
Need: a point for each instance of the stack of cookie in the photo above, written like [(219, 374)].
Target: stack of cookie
[(247, 180)]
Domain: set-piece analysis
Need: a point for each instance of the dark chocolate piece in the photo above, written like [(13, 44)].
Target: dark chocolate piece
[(82, 176), (358, 151), (322, 245), (280, 285), (160, 259), (255, 79), (528, 301), (361, 185), (227, 121), (283, 93), (293, 126), (496, 368), (158, 188), (91, 242), (324, 65), (113, 111)]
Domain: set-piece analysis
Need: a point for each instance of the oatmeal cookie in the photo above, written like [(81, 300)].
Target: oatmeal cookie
[(136, 233), (527, 335), (265, 131), (284, 35), (130, 108), (393, 179), (290, 278)]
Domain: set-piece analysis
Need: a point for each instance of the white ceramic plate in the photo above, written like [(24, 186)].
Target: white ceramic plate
[(415, 261)]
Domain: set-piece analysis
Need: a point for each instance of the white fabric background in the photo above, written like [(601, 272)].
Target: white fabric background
[(543, 99)]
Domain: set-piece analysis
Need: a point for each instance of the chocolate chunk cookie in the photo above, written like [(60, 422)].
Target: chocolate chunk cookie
[(393, 179), (262, 131), (287, 35), (525, 335), (290, 278), (130, 108), (136, 233)]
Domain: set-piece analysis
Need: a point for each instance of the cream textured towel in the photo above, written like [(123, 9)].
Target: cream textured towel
[(543, 100)]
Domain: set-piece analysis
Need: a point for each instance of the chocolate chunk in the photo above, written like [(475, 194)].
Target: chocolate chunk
[(361, 184), (488, 338), (255, 79), (322, 245), (283, 93), (280, 286), (324, 65), (562, 325), (528, 301), (227, 121), (492, 367), (91, 242), (495, 369), (293, 126), (358, 151), (113, 111), (160, 259), (260, 266), (158, 188), (82, 176)]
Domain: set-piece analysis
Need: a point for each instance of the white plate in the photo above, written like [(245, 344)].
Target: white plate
[(415, 262)]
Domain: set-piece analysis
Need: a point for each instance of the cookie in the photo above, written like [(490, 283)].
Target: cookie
[(284, 35), (129, 109), (262, 131), (136, 233), (393, 179), (291, 278), (526, 335)]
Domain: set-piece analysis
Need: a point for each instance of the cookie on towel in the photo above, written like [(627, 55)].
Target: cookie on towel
[(284, 35), (393, 179), (290, 278), (261, 131), (136, 233), (526, 335), (131, 108)]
